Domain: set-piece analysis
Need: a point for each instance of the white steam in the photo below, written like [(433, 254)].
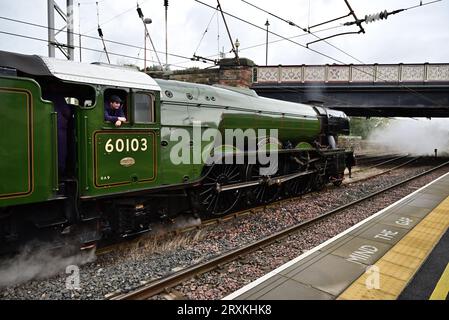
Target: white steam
[(38, 264), (179, 222), (414, 136)]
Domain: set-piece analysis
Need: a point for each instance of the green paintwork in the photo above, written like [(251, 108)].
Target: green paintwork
[(115, 159), (127, 167), (124, 159), (27, 143), (230, 110), (218, 108), (304, 146)]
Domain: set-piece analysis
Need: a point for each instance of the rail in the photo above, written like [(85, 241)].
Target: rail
[(161, 285)]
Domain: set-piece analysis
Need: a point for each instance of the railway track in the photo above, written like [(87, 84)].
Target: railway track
[(278, 202), (366, 160), (246, 211), (163, 285), (379, 162), (386, 170)]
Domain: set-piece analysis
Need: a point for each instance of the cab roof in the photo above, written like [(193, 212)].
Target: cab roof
[(72, 71)]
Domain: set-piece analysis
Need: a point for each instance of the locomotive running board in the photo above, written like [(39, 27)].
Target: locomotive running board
[(269, 181)]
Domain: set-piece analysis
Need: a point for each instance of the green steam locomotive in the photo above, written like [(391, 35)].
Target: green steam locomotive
[(67, 175)]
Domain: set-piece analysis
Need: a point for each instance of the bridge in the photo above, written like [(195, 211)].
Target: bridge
[(377, 90)]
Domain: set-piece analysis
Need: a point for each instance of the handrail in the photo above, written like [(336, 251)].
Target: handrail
[(54, 149), (86, 177)]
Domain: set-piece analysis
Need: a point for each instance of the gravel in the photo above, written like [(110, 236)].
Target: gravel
[(154, 257)]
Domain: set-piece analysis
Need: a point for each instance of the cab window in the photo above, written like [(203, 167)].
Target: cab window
[(143, 107), (122, 95)]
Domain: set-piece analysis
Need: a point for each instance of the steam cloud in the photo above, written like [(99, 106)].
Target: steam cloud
[(38, 264), (417, 137)]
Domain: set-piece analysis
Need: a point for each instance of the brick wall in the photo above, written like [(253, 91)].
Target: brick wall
[(229, 73)]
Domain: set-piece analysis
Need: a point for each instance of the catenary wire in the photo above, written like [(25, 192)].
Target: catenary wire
[(183, 57), (204, 33), (75, 46), (121, 55), (337, 48), (113, 18), (91, 37), (316, 51)]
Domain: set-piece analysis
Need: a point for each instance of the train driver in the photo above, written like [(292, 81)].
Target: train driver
[(113, 111)]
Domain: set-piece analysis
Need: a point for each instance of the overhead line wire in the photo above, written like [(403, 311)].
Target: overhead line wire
[(313, 50), (274, 33), (121, 55), (335, 47), (303, 29), (114, 17), (75, 46), (272, 41), (92, 37), (205, 31)]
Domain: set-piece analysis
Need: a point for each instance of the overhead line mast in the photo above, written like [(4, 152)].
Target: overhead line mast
[(79, 29), (89, 37), (67, 49), (147, 34)]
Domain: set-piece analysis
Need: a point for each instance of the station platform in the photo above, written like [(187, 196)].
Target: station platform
[(384, 257)]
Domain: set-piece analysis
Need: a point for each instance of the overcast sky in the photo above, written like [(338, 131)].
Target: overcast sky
[(413, 36)]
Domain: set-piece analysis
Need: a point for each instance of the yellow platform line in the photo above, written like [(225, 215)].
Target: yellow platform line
[(398, 266), (442, 288)]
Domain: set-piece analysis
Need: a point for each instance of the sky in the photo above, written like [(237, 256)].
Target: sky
[(413, 36)]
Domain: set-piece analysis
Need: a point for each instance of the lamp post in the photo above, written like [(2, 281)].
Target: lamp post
[(146, 21), (267, 24)]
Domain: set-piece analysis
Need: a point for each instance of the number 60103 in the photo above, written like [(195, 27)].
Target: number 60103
[(126, 145)]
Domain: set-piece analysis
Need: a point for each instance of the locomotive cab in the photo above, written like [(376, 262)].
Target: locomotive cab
[(67, 99), (55, 129)]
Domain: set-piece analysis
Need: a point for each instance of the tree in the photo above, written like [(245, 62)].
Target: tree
[(154, 67), (364, 126)]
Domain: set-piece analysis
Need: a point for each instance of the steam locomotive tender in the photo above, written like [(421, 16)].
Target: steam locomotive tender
[(91, 179)]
